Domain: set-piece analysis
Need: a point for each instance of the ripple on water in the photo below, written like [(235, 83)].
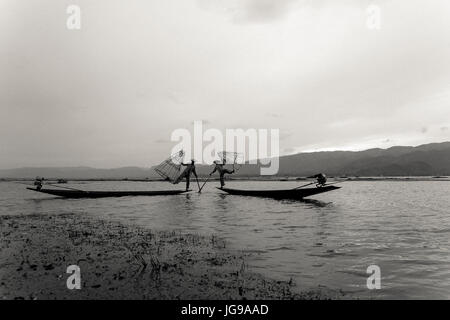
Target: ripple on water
[(401, 226)]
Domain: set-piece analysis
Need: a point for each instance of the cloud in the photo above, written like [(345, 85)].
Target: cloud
[(264, 10), (308, 67), (289, 150), (250, 11), (162, 141), (273, 115), (175, 97), (284, 134), (204, 121)]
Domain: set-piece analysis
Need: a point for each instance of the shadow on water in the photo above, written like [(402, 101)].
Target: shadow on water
[(187, 203), (225, 203), (311, 202), (40, 200), (329, 240), (317, 203)]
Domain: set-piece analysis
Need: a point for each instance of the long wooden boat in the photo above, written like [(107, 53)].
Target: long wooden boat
[(105, 194), (295, 194)]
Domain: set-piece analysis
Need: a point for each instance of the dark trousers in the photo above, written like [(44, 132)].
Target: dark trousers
[(188, 181), (222, 176)]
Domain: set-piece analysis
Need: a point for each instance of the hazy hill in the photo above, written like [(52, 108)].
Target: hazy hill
[(425, 160)]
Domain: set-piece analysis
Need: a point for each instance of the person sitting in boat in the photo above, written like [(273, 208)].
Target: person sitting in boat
[(38, 182), (321, 179), (190, 169), (222, 171)]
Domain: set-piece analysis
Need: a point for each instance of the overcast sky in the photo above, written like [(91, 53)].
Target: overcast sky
[(110, 94)]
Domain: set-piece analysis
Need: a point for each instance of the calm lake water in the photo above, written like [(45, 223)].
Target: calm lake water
[(403, 227)]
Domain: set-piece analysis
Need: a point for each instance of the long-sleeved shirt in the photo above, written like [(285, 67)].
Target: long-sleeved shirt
[(218, 167), (190, 168)]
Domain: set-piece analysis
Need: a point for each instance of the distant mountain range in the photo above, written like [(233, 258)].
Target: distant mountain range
[(425, 160)]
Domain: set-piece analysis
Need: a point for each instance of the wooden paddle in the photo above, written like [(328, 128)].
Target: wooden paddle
[(327, 184), (200, 190), (55, 185), (50, 184), (336, 182), (305, 185), (198, 183)]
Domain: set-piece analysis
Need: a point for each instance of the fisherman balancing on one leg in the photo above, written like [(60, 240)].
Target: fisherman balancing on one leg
[(190, 169), (222, 171)]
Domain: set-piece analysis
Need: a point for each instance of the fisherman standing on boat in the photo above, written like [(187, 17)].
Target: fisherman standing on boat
[(190, 169), (38, 183), (321, 179), (222, 171)]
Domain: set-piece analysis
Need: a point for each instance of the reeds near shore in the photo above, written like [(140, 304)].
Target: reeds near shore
[(119, 261)]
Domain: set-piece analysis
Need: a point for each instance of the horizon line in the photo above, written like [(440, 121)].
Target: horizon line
[(286, 155)]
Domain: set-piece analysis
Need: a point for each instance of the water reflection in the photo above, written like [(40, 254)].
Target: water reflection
[(329, 239)]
